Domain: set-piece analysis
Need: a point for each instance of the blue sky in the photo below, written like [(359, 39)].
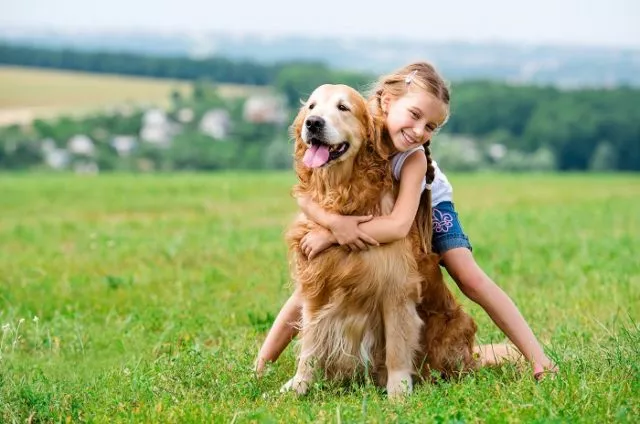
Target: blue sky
[(572, 22)]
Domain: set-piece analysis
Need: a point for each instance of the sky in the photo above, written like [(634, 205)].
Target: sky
[(564, 22)]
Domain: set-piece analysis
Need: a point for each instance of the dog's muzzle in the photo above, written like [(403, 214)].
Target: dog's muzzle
[(320, 151)]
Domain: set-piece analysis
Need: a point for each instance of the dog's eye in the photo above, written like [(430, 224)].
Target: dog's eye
[(343, 108), (312, 105)]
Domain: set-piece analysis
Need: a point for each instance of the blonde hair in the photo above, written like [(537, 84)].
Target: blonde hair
[(396, 84)]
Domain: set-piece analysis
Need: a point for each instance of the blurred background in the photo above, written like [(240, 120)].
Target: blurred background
[(151, 86)]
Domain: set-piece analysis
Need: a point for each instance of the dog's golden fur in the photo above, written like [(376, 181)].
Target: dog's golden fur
[(359, 308)]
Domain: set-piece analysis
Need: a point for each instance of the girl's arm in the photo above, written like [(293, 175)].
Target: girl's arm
[(314, 212), (343, 227), (396, 226), (356, 230)]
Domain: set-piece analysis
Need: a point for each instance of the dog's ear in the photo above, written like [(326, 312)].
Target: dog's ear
[(295, 131)]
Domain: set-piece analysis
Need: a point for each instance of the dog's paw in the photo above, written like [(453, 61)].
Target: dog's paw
[(297, 384), (399, 384)]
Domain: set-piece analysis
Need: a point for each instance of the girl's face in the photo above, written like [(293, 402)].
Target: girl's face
[(413, 118)]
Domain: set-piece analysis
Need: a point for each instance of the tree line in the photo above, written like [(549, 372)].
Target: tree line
[(581, 129), (215, 69)]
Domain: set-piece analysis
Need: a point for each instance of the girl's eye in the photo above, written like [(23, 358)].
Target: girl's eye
[(414, 115), (343, 108), (312, 105)]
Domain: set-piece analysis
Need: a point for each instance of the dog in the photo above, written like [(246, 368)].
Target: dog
[(359, 309)]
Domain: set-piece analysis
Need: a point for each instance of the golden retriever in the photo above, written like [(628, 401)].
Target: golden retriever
[(359, 308)]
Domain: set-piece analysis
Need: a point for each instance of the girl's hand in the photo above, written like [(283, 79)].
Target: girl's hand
[(346, 231), (316, 242)]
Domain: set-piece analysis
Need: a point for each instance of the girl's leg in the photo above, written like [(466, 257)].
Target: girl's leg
[(284, 329), (476, 285)]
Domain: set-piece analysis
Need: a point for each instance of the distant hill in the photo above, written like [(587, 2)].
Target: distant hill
[(562, 66), (28, 93)]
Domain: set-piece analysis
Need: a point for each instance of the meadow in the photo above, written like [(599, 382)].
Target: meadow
[(144, 298), (29, 93)]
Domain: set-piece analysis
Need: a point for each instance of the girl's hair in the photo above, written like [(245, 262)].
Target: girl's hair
[(396, 84)]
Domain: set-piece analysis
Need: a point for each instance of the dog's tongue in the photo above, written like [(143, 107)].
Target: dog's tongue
[(316, 156)]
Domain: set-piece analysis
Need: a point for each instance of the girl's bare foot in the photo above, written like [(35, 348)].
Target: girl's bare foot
[(541, 372), (496, 354)]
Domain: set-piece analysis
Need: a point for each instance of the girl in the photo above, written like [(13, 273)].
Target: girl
[(414, 104)]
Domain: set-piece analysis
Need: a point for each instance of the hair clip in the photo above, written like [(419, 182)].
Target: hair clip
[(427, 187), (410, 76)]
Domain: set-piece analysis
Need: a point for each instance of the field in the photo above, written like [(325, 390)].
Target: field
[(145, 299), (26, 94)]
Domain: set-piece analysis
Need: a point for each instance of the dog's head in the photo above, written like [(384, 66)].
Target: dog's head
[(332, 126)]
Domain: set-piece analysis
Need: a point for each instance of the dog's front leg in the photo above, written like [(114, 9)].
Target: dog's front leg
[(301, 382), (402, 332)]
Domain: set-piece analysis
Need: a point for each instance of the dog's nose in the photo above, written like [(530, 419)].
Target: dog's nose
[(314, 123)]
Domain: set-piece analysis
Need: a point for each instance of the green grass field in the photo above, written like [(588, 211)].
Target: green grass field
[(145, 299), (29, 93)]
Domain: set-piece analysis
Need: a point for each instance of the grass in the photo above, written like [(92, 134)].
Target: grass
[(29, 93), (153, 293)]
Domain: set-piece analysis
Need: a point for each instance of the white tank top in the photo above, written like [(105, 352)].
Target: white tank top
[(441, 189)]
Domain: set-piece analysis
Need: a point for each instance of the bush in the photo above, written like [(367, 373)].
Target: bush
[(604, 158), (542, 159), (278, 155), (457, 153)]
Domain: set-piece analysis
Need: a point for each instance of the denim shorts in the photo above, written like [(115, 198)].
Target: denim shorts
[(447, 231)]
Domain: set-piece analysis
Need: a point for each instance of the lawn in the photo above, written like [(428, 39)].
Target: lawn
[(28, 93), (145, 299)]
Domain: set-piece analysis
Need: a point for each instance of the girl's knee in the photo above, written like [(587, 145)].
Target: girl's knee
[(466, 273), (472, 284)]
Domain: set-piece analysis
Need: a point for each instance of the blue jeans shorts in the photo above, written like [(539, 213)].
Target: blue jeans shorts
[(447, 231)]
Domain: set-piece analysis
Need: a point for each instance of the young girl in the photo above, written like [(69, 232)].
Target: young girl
[(414, 104)]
